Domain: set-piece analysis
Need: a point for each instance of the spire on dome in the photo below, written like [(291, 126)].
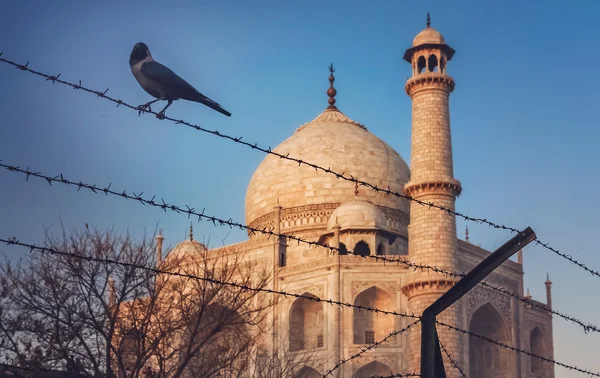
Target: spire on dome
[(191, 232), (428, 20), (331, 92), (467, 234)]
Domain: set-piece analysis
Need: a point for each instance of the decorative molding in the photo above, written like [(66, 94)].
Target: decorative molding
[(397, 220), (479, 296), (427, 81), (451, 187), (439, 284), (360, 286), (318, 290), (315, 218)]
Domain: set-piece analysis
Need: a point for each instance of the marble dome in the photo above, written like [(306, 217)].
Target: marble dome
[(186, 249), (429, 36), (331, 140)]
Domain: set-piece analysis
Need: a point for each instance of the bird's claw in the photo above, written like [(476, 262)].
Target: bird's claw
[(142, 108), (160, 115)]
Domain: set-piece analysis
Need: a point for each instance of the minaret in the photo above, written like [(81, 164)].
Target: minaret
[(159, 244), (432, 232), (548, 284)]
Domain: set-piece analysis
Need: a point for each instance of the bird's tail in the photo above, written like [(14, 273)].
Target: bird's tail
[(211, 104)]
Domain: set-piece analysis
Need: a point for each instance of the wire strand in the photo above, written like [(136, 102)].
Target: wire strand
[(33, 247), (60, 178), (268, 150), (452, 361)]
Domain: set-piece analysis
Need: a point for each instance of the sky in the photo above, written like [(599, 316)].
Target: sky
[(523, 115)]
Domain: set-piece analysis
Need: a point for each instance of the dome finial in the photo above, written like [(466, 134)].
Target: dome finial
[(331, 92), (191, 232), (467, 234), (428, 20), (356, 189)]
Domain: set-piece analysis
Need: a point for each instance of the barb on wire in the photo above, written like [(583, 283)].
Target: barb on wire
[(369, 347), (269, 150), (33, 247), (60, 178), (506, 346), (452, 361)]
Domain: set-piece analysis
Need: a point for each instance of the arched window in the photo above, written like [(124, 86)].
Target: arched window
[(307, 372), (362, 249), (343, 249), (282, 252), (369, 326), (374, 368), (380, 249), (306, 324), (488, 360), (421, 64), (536, 346), (433, 63), (443, 65)]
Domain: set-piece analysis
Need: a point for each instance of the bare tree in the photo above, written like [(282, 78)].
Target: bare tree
[(55, 308), (117, 320)]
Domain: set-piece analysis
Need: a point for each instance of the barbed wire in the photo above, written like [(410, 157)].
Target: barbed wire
[(452, 361), (270, 233), (369, 347), (269, 150), (506, 346), (396, 375), (33, 247)]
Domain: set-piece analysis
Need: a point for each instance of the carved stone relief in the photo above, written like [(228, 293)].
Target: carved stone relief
[(477, 297), (360, 286), (317, 290)]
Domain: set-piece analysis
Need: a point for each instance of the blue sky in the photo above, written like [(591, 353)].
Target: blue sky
[(523, 116)]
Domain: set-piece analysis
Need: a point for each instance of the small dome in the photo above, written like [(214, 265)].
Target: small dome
[(358, 214), (187, 248), (429, 36)]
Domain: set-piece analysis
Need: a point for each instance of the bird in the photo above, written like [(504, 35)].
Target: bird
[(162, 83)]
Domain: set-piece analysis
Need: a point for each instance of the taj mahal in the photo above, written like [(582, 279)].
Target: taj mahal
[(294, 199)]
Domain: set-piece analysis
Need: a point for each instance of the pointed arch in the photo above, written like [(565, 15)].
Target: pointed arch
[(362, 248), (369, 326), (421, 64), (487, 360), (221, 332), (537, 346), (380, 249), (307, 372), (343, 249), (433, 63), (306, 324), (374, 368)]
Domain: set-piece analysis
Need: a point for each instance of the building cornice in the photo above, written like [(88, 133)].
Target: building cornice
[(450, 187), (429, 81)]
